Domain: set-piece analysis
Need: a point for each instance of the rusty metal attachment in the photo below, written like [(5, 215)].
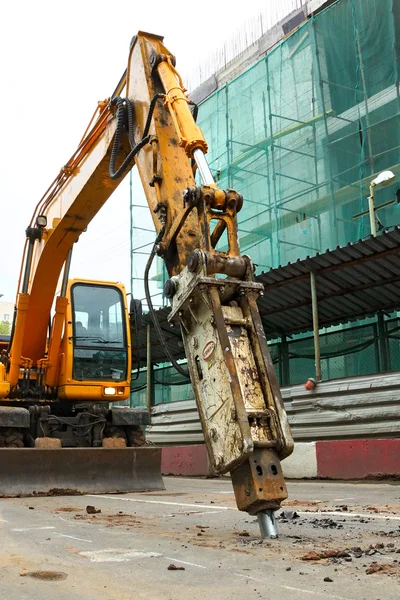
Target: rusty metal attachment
[(244, 422), (217, 210)]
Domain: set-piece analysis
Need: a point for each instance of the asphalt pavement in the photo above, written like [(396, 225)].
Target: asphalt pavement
[(337, 541)]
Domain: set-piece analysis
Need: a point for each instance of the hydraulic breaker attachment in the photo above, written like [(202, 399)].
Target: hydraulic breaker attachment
[(241, 410), (68, 471)]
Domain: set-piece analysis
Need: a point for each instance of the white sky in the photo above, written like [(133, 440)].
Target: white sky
[(58, 60)]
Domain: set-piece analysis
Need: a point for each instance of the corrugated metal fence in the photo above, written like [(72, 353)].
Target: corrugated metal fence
[(356, 407)]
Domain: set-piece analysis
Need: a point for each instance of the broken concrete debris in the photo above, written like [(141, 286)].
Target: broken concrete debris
[(173, 567), (91, 510)]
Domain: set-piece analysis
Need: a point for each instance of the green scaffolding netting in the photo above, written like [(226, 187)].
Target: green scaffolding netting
[(301, 134)]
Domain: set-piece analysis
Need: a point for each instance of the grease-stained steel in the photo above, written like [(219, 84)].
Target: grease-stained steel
[(245, 427), (259, 483)]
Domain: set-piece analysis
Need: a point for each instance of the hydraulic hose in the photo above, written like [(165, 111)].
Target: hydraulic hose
[(125, 104), (157, 327)]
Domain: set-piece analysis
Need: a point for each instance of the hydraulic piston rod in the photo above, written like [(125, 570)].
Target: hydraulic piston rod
[(204, 169)]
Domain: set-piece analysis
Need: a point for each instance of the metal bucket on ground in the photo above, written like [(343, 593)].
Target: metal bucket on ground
[(69, 471)]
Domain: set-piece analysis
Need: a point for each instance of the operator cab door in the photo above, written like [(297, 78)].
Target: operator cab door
[(99, 337)]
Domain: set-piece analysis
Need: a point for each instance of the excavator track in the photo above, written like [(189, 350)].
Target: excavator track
[(75, 471)]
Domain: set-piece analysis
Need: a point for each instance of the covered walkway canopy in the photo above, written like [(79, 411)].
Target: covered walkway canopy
[(348, 283), (351, 282)]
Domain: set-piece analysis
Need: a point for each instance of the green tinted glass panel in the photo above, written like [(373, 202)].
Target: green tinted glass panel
[(99, 365), (100, 352)]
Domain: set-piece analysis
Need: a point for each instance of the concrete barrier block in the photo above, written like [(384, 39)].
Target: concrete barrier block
[(358, 459), (302, 463), (185, 460)]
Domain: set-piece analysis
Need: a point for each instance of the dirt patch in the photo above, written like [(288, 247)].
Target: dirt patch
[(117, 520), (7, 560), (212, 546), (325, 554), (57, 492), (68, 509), (385, 509), (242, 551), (52, 492), (46, 575), (302, 502), (392, 569)]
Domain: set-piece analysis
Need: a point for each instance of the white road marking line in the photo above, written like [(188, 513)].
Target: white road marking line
[(250, 577), (196, 512), (67, 520), (339, 513), (184, 562), (294, 589), (74, 538), (341, 499), (192, 512), (31, 528), (3, 521), (117, 555), (162, 502), (216, 508)]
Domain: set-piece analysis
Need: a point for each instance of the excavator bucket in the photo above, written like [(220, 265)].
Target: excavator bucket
[(69, 471)]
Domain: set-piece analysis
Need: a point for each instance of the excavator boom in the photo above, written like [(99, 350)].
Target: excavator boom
[(211, 285)]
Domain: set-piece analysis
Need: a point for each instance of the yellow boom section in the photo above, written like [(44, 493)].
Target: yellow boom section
[(84, 185)]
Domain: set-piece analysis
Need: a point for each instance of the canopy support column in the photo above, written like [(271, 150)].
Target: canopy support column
[(314, 305)]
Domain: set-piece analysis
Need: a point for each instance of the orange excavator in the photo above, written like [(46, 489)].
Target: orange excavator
[(68, 359)]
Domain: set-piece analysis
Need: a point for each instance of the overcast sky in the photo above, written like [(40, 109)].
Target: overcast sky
[(58, 60)]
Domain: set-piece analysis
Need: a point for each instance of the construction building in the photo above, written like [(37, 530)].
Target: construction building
[(301, 123), (6, 316)]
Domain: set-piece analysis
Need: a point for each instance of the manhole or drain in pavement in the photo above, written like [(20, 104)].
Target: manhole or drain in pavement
[(47, 575)]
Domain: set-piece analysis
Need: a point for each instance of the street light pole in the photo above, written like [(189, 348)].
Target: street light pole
[(371, 208), (383, 179)]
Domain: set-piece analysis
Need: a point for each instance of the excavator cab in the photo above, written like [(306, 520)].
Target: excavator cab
[(71, 381), (99, 333), (95, 361), (77, 438)]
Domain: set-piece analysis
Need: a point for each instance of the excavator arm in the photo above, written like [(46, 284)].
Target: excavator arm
[(211, 288)]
